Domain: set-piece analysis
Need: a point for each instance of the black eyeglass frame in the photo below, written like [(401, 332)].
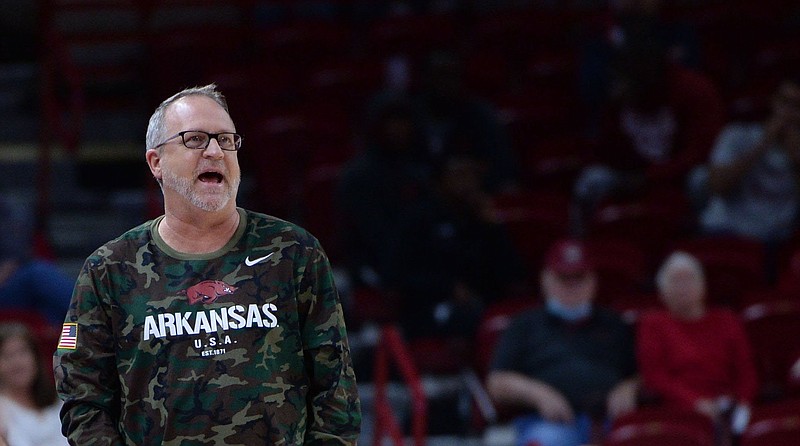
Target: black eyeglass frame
[(237, 138)]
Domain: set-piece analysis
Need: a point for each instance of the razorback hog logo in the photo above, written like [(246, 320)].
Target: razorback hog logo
[(207, 291)]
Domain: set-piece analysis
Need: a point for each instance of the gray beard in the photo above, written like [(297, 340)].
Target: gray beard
[(185, 187)]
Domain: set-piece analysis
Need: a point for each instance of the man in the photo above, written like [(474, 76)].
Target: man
[(752, 174), (567, 363), (211, 324)]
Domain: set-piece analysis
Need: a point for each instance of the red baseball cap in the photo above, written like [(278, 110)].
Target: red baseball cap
[(568, 257)]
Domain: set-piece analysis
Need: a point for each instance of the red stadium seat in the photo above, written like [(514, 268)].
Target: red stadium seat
[(733, 266), (652, 222), (772, 328), (534, 220), (776, 424), (657, 426), (621, 266), (411, 35)]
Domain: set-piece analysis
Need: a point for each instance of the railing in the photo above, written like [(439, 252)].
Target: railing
[(392, 349)]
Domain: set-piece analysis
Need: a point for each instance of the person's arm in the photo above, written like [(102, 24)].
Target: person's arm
[(515, 389), (622, 398), (334, 409), (723, 177), (86, 375)]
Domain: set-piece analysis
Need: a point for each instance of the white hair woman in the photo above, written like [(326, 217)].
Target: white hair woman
[(691, 355)]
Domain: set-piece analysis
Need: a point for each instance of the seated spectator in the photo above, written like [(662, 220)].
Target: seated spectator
[(448, 257), (29, 409), (454, 122), (660, 123), (750, 187), (693, 357), (376, 188), (27, 282), (567, 364), (627, 21)]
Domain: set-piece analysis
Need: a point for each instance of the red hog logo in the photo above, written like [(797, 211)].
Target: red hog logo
[(207, 291)]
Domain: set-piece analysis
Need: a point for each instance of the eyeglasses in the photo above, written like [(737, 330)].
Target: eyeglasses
[(197, 139)]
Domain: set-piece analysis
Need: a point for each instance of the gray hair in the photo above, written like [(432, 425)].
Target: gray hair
[(678, 259), (155, 127)]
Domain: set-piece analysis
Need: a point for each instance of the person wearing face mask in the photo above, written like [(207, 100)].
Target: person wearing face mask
[(567, 365), (691, 356)]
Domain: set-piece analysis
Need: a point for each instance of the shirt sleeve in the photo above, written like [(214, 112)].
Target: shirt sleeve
[(335, 410), (733, 141), (85, 369)]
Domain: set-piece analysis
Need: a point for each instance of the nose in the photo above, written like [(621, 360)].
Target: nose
[(213, 149)]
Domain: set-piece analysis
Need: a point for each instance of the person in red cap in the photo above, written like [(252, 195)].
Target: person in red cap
[(568, 363)]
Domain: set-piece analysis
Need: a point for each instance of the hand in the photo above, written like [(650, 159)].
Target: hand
[(622, 398), (707, 407), (552, 405)]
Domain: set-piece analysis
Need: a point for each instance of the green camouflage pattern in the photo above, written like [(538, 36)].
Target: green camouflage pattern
[(245, 346)]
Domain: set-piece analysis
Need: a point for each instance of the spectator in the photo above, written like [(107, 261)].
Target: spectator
[(660, 123), (377, 187), (28, 404), (751, 181), (454, 122), (26, 282), (627, 22), (693, 357), (568, 363), (448, 257)]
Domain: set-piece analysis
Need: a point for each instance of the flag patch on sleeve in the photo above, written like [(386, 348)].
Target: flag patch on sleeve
[(69, 336)]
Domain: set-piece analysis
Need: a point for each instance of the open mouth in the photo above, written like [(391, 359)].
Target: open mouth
[(211, 177)]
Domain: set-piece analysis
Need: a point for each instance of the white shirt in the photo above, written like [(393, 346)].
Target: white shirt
[(24, 426)]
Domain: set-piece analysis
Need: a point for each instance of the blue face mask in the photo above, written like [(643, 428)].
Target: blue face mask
[(570, 314)]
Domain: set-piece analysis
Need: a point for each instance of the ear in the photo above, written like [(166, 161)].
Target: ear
[(153, 158)]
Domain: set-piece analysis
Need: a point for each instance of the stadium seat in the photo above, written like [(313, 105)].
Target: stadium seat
[(658, 426), (631, 306), (733, 266), (775, 424), (652, 222), (411, 35), (621, 267), (772, 328), (534, 220)]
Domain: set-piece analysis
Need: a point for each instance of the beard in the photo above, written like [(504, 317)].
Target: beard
[(207, 202)]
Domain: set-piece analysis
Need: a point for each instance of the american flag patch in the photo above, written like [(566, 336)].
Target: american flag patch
[(69, 336)]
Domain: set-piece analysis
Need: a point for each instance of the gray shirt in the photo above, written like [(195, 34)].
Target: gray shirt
[(764, 203)]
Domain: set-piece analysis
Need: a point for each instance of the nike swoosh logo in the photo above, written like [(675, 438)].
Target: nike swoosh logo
[(249, 262)]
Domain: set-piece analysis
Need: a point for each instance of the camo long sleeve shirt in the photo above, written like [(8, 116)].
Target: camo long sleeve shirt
[(243, 346)]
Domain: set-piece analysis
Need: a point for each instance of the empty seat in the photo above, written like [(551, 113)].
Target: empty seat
[(657, 426), (772, 327), (776, 424)]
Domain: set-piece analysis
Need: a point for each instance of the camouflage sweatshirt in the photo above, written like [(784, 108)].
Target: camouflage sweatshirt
[(243, 346)]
